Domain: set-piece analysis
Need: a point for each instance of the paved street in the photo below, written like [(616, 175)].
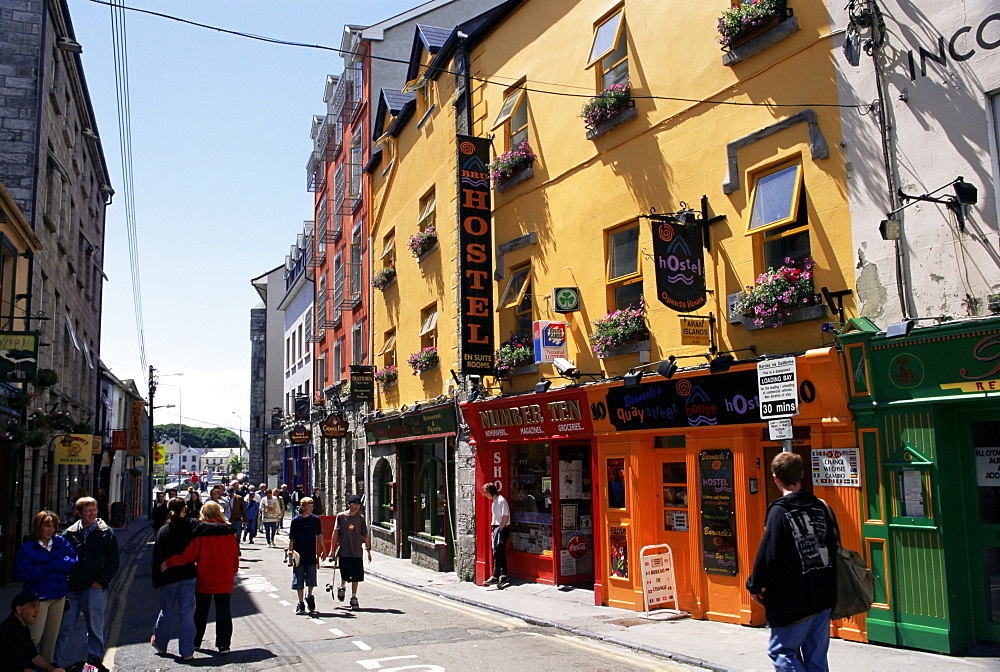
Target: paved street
[(396, 628)]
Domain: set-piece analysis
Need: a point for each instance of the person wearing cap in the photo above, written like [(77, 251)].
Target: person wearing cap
[(97, 549), (43, 563), (305, 536), (349, 532), (19, 651)]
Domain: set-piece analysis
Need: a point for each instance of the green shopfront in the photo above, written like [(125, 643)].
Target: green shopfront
[(412, 472), (927, 413)]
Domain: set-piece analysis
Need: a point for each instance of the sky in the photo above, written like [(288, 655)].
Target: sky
[(220, 139)]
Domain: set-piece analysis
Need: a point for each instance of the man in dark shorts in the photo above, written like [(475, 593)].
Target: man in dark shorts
[(349, 532), (19, 651), (304, 535)]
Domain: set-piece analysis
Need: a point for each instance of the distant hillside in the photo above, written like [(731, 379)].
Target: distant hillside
[(198, 437)]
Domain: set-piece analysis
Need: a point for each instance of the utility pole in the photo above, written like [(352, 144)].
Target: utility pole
[(152, 442)]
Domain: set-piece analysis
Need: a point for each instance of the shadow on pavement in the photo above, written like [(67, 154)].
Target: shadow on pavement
[(211, 658)]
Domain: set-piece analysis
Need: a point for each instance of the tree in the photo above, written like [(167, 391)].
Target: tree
[(237, 465), (198, 437)]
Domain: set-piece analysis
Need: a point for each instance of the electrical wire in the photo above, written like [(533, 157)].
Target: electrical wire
[(478, 78), (120, 51)]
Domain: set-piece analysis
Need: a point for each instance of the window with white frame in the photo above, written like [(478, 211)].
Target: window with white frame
[(338, 360), (358, 343), (513, 117), (388, 256), (427, 208), (356, 266), (428, 327), (388, 350), (517, 298), (778, 214)]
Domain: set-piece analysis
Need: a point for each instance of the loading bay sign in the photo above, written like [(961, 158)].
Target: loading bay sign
[(778, 388)]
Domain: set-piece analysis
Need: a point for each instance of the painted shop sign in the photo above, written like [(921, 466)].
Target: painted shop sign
[(836, 466), (432, 422), (300, 435), (680, 266), (18, 356), (475, 255), (529, 416), (988, 467), (362, 384), (718, 516), (960, 46), (721, 399), (333, 427)]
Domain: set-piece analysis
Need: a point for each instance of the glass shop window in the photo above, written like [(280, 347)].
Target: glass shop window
[(675, 497), (616, 483), (530, 498)]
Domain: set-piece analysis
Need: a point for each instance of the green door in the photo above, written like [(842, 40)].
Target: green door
[(983, 517)]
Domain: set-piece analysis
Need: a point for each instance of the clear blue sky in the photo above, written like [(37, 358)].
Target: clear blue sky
[(220, 139)]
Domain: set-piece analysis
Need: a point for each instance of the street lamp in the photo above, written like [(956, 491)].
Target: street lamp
[(240, 427)]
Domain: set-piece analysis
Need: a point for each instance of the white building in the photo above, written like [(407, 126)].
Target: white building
[(216, 460)]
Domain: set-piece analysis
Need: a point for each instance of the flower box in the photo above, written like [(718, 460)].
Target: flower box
[(422, 242), (515, 352), (520, 176), (618, 329), (638, 345), (386, 377), (383, 277), (507, 165), (778, 293), (626, 115), (744, 22), (608, 105), (817, 311), (424, 361)]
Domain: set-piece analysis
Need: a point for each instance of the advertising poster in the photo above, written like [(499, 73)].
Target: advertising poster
[(718, 515), (74, 449), (618, 549), (836, 466)]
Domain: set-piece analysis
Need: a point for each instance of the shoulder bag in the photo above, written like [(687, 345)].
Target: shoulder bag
[(855, 581)]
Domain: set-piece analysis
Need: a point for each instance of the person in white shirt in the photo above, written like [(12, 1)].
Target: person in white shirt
[(500, 526)]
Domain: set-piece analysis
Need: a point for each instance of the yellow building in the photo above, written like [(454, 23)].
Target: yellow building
[(697, 165)]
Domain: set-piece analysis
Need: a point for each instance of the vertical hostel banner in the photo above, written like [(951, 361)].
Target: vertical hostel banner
[(475, 242), (680, 266)]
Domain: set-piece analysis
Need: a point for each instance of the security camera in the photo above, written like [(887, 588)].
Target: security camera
[(565, 367)]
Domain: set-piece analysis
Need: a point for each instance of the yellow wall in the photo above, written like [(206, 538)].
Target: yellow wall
[(674, 151), (425, 160), (15, 230)]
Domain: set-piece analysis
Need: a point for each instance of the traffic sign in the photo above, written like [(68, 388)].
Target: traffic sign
[(778, 388), (780, 429), (566, 299)]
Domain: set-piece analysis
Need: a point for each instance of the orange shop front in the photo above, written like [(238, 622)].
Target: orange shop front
[(685, 462), (537, 450)]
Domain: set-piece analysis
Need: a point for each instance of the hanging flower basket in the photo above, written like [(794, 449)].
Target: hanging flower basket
[(748, 19), (35, 438), (618, 329), (46, 378), (421, 242), (778, 292), (386, 377), (510, 163), (607, 105), (516, 351), (383, 277), (425, 360)]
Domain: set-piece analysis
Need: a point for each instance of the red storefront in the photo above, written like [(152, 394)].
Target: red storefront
[(538, 450)]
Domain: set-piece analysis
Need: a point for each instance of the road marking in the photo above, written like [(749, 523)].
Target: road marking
[(361, 645), (508, 622), (338, 633), (317, 620), (284, 603), (633, 661), (274, 595), (376, 663)]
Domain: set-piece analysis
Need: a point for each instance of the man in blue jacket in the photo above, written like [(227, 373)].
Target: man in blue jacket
[(794, 576), (97, 549)]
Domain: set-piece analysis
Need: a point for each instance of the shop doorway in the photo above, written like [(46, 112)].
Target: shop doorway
[(983, 526), (673, 518), (574, 533)]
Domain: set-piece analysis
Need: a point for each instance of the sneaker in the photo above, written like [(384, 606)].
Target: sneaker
[(493, 580), (223, 651), (354, 603), (300, 609), (341, 593), (152, 640), (311, 603)]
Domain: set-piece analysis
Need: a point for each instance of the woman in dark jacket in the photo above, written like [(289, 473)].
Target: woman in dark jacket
[(194, 505), (218, 559), (176, 586), (43, 562)]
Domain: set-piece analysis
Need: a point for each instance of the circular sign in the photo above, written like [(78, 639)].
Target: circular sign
[(567, 299), (906, 370), (577, 545)]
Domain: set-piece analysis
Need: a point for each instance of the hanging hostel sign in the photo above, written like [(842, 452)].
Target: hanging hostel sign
[(680, 266), (475, 243)]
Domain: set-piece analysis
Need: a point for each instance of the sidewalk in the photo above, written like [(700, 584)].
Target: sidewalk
[(716, 646)]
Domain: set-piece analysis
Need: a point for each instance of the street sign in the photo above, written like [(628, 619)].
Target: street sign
[(566, 299), (695, 331), (777, 388), (780, 429)]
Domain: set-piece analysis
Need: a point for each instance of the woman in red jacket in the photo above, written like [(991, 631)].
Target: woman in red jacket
[(218, 559)]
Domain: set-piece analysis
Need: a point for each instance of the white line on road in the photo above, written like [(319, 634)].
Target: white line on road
[(338, 633), (274, 595), (317, 620), (284, 603), (361, 645), (376, 663)]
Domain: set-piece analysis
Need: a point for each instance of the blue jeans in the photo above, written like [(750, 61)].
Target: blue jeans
[(176, 599), (238, 528), (251, 530), (270, 531), (802, 646), (92, 602)]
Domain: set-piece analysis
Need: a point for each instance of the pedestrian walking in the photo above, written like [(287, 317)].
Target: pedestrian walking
[(194, 505), (297, 497), (97, 552), (793, 576), (218, 559), (176, 586), (15, 632), (349, 532), (218, 496), (305, 537), (272, 511), (238, 513), (43, 563), (500, 530), (103, 504), (253, 512), (158, 515), (286, 498), (318, 509)]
